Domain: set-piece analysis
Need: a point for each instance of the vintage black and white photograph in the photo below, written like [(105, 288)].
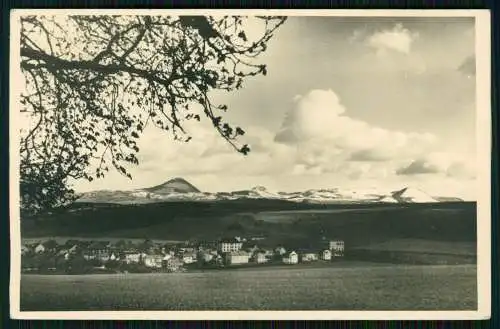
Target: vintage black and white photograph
[(204, 164)]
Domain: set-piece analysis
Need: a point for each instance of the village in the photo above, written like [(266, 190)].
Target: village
[(88, 257)]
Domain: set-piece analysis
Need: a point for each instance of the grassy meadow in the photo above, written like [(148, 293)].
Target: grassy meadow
[(356, 287)]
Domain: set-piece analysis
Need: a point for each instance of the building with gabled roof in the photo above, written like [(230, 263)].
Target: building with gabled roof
[(237, 257), (291, 258)]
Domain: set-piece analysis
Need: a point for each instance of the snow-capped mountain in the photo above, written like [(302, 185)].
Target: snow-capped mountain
[(412, 195), (258, 192), (178, 189)]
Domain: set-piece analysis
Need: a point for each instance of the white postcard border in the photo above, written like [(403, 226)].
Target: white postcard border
[(483, 121)]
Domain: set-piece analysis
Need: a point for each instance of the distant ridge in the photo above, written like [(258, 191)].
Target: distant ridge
[(178, 189)]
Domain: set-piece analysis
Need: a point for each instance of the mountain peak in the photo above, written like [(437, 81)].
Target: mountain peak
[(177, 185), (412, 194), (177, 179)]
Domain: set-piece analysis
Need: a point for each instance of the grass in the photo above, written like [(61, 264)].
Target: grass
[(425, 246), (357, 287)]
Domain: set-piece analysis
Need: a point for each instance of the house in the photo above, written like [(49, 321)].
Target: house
[(308, 256), (205, 257), (98, 253), (153, 261), (173, 264), (98, 250), (291, 258), (132, 257), (87, 255), (252, 248), (218, 260), (73, 249), (40, 248), (170, 252), (337, 248), (269, 253), (24, 250), (280, 251), (326, 254), (188, 258), (237, 257), (229, 245), (113, 257), (260, 257), (62, 252)]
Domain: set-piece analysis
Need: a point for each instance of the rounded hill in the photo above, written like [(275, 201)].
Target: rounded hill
[(175, 185)]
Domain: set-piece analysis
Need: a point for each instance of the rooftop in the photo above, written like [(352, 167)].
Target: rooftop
[(239, 253), (230, 240)]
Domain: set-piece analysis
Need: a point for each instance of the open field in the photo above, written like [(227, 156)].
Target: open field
[(425, 246), (356, 287)]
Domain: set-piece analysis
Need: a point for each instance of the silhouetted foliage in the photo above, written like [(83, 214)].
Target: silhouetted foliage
[(93, 84)]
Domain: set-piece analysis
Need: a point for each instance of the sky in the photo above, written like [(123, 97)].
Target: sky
[(353, 102)]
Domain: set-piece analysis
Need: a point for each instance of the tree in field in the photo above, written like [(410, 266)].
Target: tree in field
[(93, 84)]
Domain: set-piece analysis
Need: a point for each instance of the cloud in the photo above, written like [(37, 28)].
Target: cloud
[(317, 138), (418, 167), (371, 155), (387, 51), (325, 138), (448, 164), (397, 39)]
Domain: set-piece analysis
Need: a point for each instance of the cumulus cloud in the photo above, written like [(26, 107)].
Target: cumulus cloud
[(397, 39), (326, 139), (451, 165), (317, 138), (371, 155), (388, 50), (419, 166)]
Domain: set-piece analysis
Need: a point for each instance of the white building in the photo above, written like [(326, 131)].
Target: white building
[(188, 259), (237, 257), (133, 257), (206, 257), (308, 256), (153, 261), (230, 245), (337, 247), (280, 251), (291, 258), (40, 248), (24, 250), (260, 258), (326, 254)]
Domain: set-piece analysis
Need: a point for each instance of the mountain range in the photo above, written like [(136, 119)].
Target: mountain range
[(178, 189)]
